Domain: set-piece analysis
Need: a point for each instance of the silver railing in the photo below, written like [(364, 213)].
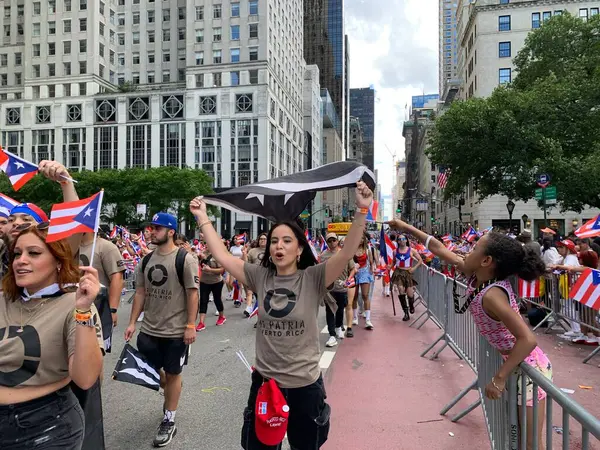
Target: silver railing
[(505, 419)]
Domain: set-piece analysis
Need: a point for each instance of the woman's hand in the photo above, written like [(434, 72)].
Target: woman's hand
[(198, 208), (89, 286), (397, 224), (54, 171), (364, 195), (494, 388)]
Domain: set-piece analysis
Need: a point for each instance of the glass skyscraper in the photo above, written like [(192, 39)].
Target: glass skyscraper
[(362, 105)]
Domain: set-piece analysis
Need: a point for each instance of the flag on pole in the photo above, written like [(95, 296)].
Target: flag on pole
[(531, 289), (469, 235), (386, 248), (589, 229), (443, 178), (241, 237), (79, 216), (114, 232), (18, 170), (132, 367), (372, 214), (324, 245), (311, 245), (6, 204), (587, 289)]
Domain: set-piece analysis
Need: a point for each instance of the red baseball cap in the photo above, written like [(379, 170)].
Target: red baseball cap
[(271, 417), (567, 243)]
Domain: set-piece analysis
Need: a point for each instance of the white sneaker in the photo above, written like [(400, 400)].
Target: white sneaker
[(573, 334), (363, 314), (339, 333), (141, 318), (216, 313), (368, 325), (331, 342), (355, 321)]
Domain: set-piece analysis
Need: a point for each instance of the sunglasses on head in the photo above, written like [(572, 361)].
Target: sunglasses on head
[(42, 226)]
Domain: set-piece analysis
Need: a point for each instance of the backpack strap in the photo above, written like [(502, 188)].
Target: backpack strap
[(146, 260), (180, 265)]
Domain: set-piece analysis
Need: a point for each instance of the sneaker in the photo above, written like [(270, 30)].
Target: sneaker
[(368, 325), (216, 313), (221, 320), (339, 333), (237, 303), (248, 311), (354, 321), (166, 432), (141, 318), (331, 342), (363, 315), (200, 327), (349, 332), (573, 334)]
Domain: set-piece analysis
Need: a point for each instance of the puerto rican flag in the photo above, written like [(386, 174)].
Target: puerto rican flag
[(450, 245), (587, 289), (80, 216), (254, 311), (114, 232), (242, 237), (447, 237), (404, 260), (386, 248), (7, 204), (324, 245), (531, 289), (18, 170), (372, 214), (311, 245), (469, 235), (589, 229)]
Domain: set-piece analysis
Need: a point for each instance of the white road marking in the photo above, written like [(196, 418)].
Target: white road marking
[(326, 359)]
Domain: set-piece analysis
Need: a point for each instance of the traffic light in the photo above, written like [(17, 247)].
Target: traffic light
[(326, 212), (399, 207), (432, 219)]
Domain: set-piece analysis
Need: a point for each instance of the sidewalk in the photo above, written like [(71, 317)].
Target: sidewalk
[(384, 396)]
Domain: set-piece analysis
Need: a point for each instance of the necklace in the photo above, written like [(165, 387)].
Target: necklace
[(34, 310)]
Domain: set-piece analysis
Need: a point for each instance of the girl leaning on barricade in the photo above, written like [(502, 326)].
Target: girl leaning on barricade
[(492, 302), (50, 328), (287, 392)]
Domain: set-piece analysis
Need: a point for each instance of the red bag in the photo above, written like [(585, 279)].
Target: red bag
[(272, 411)]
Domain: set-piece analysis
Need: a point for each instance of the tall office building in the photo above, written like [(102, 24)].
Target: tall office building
[(130, 83), (362, 106), (448, 44), (325, 46)]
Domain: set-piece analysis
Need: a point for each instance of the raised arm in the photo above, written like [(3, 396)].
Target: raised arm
[(335, 265), (435, 246), (232, 265)]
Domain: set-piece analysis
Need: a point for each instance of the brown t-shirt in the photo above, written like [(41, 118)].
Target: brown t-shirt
[(107, 259), (211, 278), (39, 355), (256, 255), (287, 334), (165, 307), (340, 284)]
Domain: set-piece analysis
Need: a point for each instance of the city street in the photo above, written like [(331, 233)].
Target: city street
[(215, 389)]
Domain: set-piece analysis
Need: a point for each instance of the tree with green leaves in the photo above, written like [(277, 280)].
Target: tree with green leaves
[(158, 188), (546, 121)]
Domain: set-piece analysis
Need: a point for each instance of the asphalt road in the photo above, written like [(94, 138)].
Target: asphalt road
[(215, 390)]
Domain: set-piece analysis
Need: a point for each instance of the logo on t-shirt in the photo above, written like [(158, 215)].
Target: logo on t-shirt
[(84, 260), (286, 310), (31, 349), (158, 275)]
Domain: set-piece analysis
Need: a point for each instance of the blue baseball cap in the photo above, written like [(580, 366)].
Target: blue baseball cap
[(166, 220)]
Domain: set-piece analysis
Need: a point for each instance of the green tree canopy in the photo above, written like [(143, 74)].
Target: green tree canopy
[(546, 121), (158, 188)]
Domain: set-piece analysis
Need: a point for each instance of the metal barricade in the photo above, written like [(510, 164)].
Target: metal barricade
[(128, 286)]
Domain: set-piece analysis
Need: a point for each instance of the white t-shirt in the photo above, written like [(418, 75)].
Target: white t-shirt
[(571, 261), (236, 251), (551, 257)]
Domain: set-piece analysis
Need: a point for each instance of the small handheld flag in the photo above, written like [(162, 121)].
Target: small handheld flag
[(589, 229), (587, 289), (372, 214), (132, 367), (6, 204), (469, 235), (79, 216), (18, 170)]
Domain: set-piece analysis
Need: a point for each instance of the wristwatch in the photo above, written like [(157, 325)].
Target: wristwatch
[(113, 310)]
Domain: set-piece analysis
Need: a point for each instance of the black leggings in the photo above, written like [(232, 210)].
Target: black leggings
[(205, 290)]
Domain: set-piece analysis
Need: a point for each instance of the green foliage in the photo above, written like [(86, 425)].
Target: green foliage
[(158, 188), (548, 121)]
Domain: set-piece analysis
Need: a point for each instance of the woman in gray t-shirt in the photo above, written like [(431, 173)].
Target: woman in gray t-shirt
[(289, 286)]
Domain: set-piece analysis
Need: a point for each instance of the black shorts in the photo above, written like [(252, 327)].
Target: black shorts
[(170, 354), (308, 423)]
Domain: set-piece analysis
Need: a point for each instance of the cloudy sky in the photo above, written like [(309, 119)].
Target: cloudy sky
[(393, 46)]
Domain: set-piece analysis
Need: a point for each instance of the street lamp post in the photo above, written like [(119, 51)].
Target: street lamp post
[(524, 218), (510, 207)]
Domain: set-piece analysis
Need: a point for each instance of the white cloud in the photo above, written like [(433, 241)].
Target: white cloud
[(393, 46)]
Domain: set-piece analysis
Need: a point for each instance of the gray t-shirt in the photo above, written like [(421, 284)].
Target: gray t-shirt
[(287, 334), (340, 284)]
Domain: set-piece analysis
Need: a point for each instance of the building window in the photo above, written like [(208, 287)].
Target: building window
[(35, 69), (217, 79), (235, 32), (67, 26), (136, 37), (151, 16), (235, 78), (150, 77), (36, 51), (51, 70), (199, 12), (535, 20), (172, 107), (52, 28), (208, 105), (35, 30), (217, 58), (504, 49), (253, 31), (583, 14), (504, 76), (217, 11), (51, 48), (67, 68), (199, 58), (254, 76), (181, 34), (243, 103), (37, 9), (106, 147), (235, 9), (200, 80), (504, 2), (43, 145), (139, 146), (546, 15), (106, 111), (504, 23), (13, 116), (172, 144), (166, 76), (253, 7), (121, 38), (139, 108), (73, 113), (166, 15), (217, 34), (199, 36), (18, 59), (83, 46), (253, 53), (181, 13), (235, 55), (594, 11)]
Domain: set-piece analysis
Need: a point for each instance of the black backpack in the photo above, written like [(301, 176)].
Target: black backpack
[(179, 264)]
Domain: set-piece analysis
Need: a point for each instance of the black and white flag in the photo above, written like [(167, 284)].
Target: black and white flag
[(285, 198), (132, 367)]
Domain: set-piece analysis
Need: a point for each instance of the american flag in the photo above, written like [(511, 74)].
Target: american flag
[(589, 229), (587, 289), (443, 178)]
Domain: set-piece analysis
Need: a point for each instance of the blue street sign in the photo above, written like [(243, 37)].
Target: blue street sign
[(543, 180)]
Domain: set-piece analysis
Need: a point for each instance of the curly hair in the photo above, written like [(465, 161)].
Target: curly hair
[(69, 272), (512, 258)]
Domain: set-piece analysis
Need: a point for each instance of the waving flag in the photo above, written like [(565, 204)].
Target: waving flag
[(372, 214), (469, 235), (324, 245), (6, 204), (241, 237), (386, 248), (79, 216), (254, 311), (114, 232), (18, 170), (311, 245), (447, 237), (132, 367), (285, 198), (587, 289), (443, 178), (589, 229), (531, 289), (450, 245)]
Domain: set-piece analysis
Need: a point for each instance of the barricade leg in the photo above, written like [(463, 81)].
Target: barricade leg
[(428, 349), (456, 399), (466, 411), (591, 355), (426, 312)]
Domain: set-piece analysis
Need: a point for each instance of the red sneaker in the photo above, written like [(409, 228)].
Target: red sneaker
[(200, 327), (221, 320)]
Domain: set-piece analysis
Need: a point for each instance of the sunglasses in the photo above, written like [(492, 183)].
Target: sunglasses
[(42, 226), (331, 240)]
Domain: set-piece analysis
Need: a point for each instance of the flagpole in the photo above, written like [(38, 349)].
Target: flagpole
[(96, 225)]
